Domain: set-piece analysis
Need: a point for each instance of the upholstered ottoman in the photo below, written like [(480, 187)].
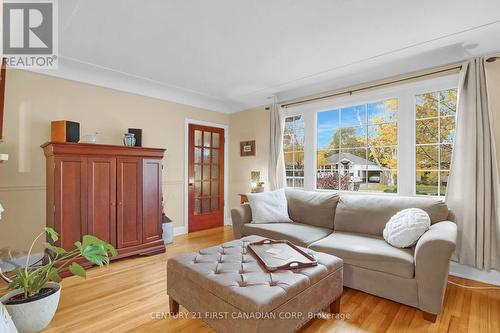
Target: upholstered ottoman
[(226, 287)]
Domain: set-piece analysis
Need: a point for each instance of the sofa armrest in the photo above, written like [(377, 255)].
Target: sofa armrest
[(432, 261), (240, 215)]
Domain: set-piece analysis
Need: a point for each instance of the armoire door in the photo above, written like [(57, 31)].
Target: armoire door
[(101, 201), (151, 200), (129, 202), (70, 205)]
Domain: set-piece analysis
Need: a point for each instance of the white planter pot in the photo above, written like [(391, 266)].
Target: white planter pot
[(33, 316), (168, 232)]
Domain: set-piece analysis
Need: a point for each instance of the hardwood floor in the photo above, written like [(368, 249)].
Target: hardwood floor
[(130, 296)]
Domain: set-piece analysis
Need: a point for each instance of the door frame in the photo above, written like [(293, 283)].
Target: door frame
[(188, 122)]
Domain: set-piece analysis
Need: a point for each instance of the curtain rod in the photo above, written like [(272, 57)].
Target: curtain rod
[(377, 85)]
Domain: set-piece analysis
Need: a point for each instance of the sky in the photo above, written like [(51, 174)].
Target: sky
[(330, 121)]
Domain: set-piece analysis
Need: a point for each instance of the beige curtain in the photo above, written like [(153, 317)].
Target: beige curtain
[(276, 157), (472, 193)]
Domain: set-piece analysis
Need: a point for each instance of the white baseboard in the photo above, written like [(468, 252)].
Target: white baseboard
[(180, 231), (228, 221), (8, 265), (463, 271)]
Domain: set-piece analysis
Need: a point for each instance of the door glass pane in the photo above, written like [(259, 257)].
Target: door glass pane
[(215, 156), (206, 172), (197, 155), (206, 188), (215, 204), (206, 156), (215, 171), (215, 140), (197, 137), (197, 172), (207, 137), (197, 206), (206, 205), (197, 189), (215, 188)]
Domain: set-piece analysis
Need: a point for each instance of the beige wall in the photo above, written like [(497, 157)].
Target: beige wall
[(33, 100), (244, 126)]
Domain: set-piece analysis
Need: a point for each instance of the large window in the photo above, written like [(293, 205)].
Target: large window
[(434, 134), (357, 147), (396, 140), (293, 144)]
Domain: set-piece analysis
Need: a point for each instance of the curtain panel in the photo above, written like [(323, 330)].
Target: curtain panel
[(277, 173), (472, 193)]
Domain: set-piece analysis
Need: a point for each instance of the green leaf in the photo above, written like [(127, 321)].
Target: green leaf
[(55, 249), (52, 233), (111, 250), (53, 275), (78, 245), (78, 270), (92, 240)]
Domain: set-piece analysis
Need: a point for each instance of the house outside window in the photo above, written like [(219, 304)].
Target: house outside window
[(395, 140), (357, 147)]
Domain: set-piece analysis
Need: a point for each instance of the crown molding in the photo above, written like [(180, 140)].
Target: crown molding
[(74, 70)]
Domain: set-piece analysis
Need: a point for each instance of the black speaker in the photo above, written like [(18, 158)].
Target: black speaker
[(138, 136), (65, 131)]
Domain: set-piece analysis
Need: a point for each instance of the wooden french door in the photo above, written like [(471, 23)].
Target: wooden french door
[(206, 177)]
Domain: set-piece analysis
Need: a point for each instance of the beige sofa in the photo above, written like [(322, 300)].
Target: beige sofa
[(350, 226)]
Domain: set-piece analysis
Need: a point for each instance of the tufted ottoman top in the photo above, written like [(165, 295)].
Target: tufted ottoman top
[(231, 273)]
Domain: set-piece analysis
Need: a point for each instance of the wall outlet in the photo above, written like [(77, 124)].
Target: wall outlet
[(4, 157)]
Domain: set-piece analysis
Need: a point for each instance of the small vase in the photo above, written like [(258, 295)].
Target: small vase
[(129, 139)]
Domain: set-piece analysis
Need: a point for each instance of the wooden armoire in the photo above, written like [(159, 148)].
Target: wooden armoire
[(111, 192)]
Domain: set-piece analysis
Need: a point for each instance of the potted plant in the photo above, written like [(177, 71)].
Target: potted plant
[(35, 293)]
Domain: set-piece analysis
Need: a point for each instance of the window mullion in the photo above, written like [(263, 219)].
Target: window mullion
[(406, 144), (309, 151)]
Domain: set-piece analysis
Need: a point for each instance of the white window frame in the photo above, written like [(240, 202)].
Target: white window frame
[(406, 95)]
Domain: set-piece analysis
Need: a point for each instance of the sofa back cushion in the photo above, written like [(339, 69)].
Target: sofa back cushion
[(368, 214), (313, 208)]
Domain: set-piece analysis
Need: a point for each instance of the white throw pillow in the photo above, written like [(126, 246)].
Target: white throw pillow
[(269, 207), (406, 227)]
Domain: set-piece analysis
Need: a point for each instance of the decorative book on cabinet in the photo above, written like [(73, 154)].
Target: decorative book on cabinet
[(111, 192)]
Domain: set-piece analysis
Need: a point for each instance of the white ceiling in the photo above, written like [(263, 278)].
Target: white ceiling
[(229, 55)]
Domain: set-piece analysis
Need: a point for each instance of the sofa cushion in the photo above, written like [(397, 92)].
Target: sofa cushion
[(367, 251), (314, 208), (406, 227), (297, 233), (368, 214), (269, 207)]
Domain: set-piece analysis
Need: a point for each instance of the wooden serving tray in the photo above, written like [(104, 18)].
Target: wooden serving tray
[(281, 254)]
